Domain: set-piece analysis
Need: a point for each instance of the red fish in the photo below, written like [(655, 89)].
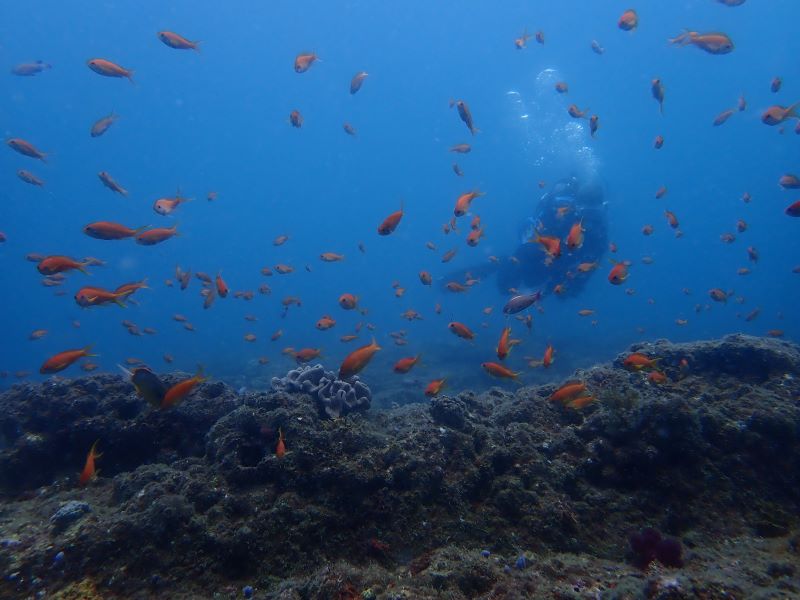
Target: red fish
[(87, 297), (638, 361), (497, 370), (575, 237), (107, 68), (222, 287), (550, 244)]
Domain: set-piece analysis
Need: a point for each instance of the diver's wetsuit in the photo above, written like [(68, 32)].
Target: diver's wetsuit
[(531, 267)]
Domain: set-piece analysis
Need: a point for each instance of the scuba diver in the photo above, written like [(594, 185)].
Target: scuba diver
[(569, 207), (568, 203)]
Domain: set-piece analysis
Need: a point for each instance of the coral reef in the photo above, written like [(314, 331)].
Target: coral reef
[(493, 495), (333, 396)]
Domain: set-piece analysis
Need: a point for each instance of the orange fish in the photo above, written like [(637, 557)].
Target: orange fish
[(37, 334), (580, 402), (357, 360), (629, 20), (522, 41), (296, 119), (585, 267), (348, 301), (349, 129), (713, 43), (568, 391), (618, 273), (497, 370), (505, 344), (166, 206), (561, 87), (303, 62), (391, 222), (325, 323), (657, 89), (461, 148), (87, 297), (575, 237), (306, 354), (434, 387), (181, 389), (50, 265), (718, 295), (775, 115), (331, 257), (577, 113), (156, 235), (661, 192), (425, 278), (89, 472), (178, 42), (656, 377), (64, 359), (464, 201), (448, 256), (547, 360), (671, 219), (107, 68), (404, 365), (637, 361), (550, 244), (222, 287), (722, 117), (250, 337), (474, 236), (26, 148), (658, 143), (283, 269), (100, 126), (109, 182), (280, 449), (357, 81), (461, 330), (106, 230)]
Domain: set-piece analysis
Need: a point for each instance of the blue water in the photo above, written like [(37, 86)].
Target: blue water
[(217, 120)]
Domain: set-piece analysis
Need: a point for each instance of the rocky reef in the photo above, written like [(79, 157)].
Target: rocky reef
[(492, 495)]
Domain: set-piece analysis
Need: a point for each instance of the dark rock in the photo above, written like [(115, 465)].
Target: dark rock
[(68, 513)]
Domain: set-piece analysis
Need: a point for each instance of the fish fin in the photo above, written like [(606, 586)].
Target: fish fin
[(126, 371), (129, 75), (119, 302)]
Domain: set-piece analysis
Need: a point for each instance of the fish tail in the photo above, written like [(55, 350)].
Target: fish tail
[(129, 75), (88, 349), (118, 300)]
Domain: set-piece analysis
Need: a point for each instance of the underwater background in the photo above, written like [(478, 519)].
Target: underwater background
[(217, 120)]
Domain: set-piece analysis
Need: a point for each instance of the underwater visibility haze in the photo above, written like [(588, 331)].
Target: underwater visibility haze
[(322, 208)]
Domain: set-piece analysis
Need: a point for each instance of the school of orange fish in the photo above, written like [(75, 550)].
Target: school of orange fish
[(573, 395)]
